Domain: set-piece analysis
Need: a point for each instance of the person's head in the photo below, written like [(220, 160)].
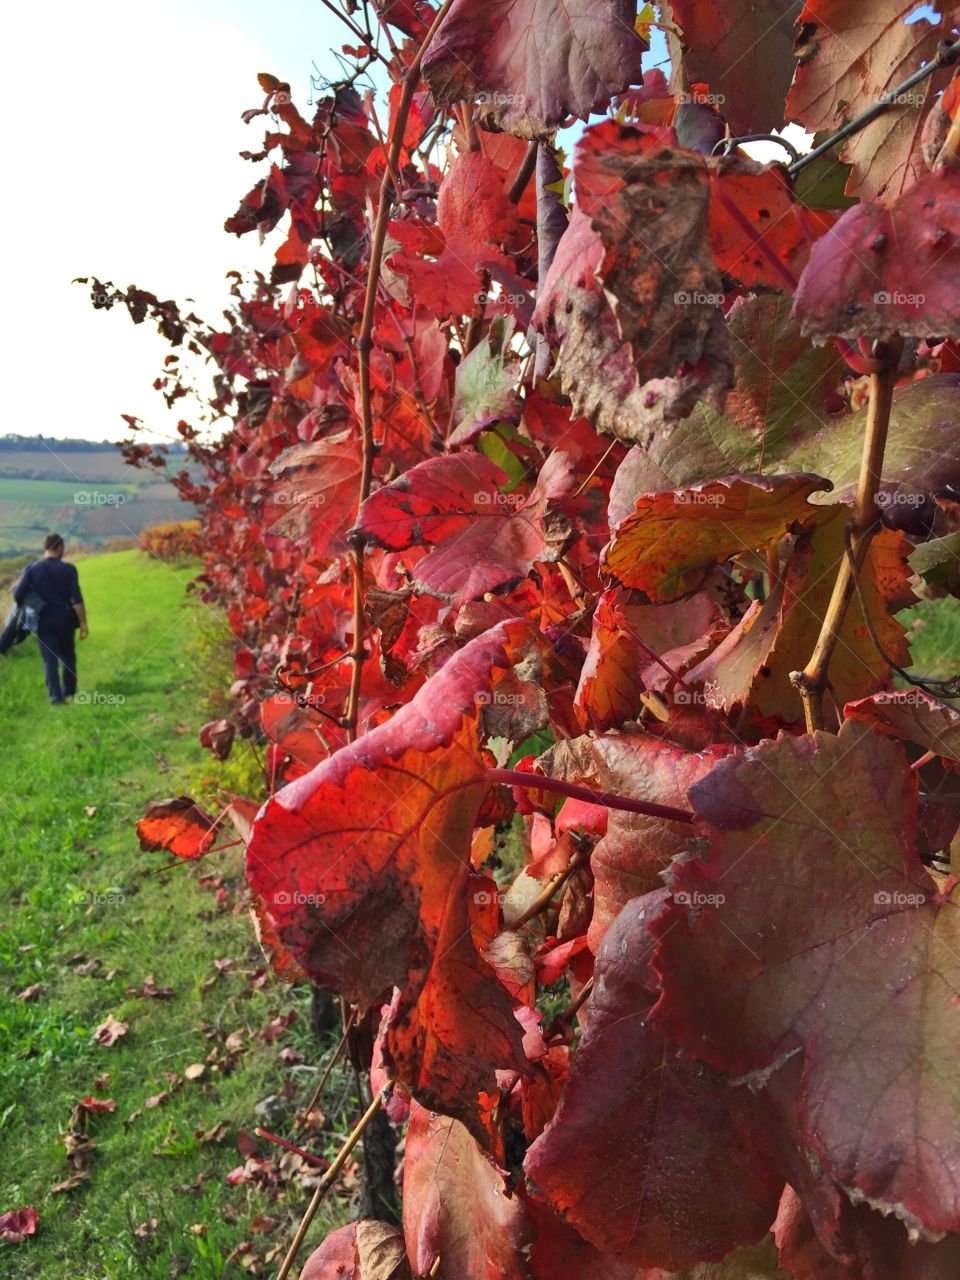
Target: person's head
[(53, 546)]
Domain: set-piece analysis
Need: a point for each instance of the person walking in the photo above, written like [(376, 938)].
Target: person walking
[(53, 587)]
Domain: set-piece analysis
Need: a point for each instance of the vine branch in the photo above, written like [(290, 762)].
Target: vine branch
[(813, 680), (537, 782), (411, 78), (330, 1177)]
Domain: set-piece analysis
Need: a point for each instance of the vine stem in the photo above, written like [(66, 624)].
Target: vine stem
[(537, 782), (330, 1177), (334, 1059), (411, 78), (813, 681), (550, 890)]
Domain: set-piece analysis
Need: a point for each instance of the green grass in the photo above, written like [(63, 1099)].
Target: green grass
[(77, 888)]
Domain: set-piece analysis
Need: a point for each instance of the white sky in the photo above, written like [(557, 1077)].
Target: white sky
[(123, 128)]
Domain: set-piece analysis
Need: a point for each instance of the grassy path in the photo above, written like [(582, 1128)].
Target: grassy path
[(87, 918)]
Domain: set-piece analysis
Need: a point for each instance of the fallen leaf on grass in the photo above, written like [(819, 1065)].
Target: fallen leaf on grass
[(31, 993), (89, 810), (110, 1031), (70, 1184), (275, 1029), (16, 1225), (150, 989), (146, 1230), (216, 1134), (92, 1105), (194, 1071)]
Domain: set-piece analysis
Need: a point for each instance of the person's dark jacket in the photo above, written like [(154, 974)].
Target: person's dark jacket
[(57, 584)]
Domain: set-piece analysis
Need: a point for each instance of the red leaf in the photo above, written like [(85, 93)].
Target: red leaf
[(179, 826), (456, 1205), (94, 1105), (914, 716), (533, 62), (481, 539), (813, 924), (314, 495), (476, 223), (759, 235), (670, 542), (624, 640), (16, 1225), (743, 50), (629, 859), (363, 864), (849, 53), (364, 1250), (651, 1156), (888, 268)]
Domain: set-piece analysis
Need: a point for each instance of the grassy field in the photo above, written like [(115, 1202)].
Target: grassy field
[(86, 512), (89, 920)]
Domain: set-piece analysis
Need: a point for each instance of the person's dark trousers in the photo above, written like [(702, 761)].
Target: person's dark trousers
[(58, 651)]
